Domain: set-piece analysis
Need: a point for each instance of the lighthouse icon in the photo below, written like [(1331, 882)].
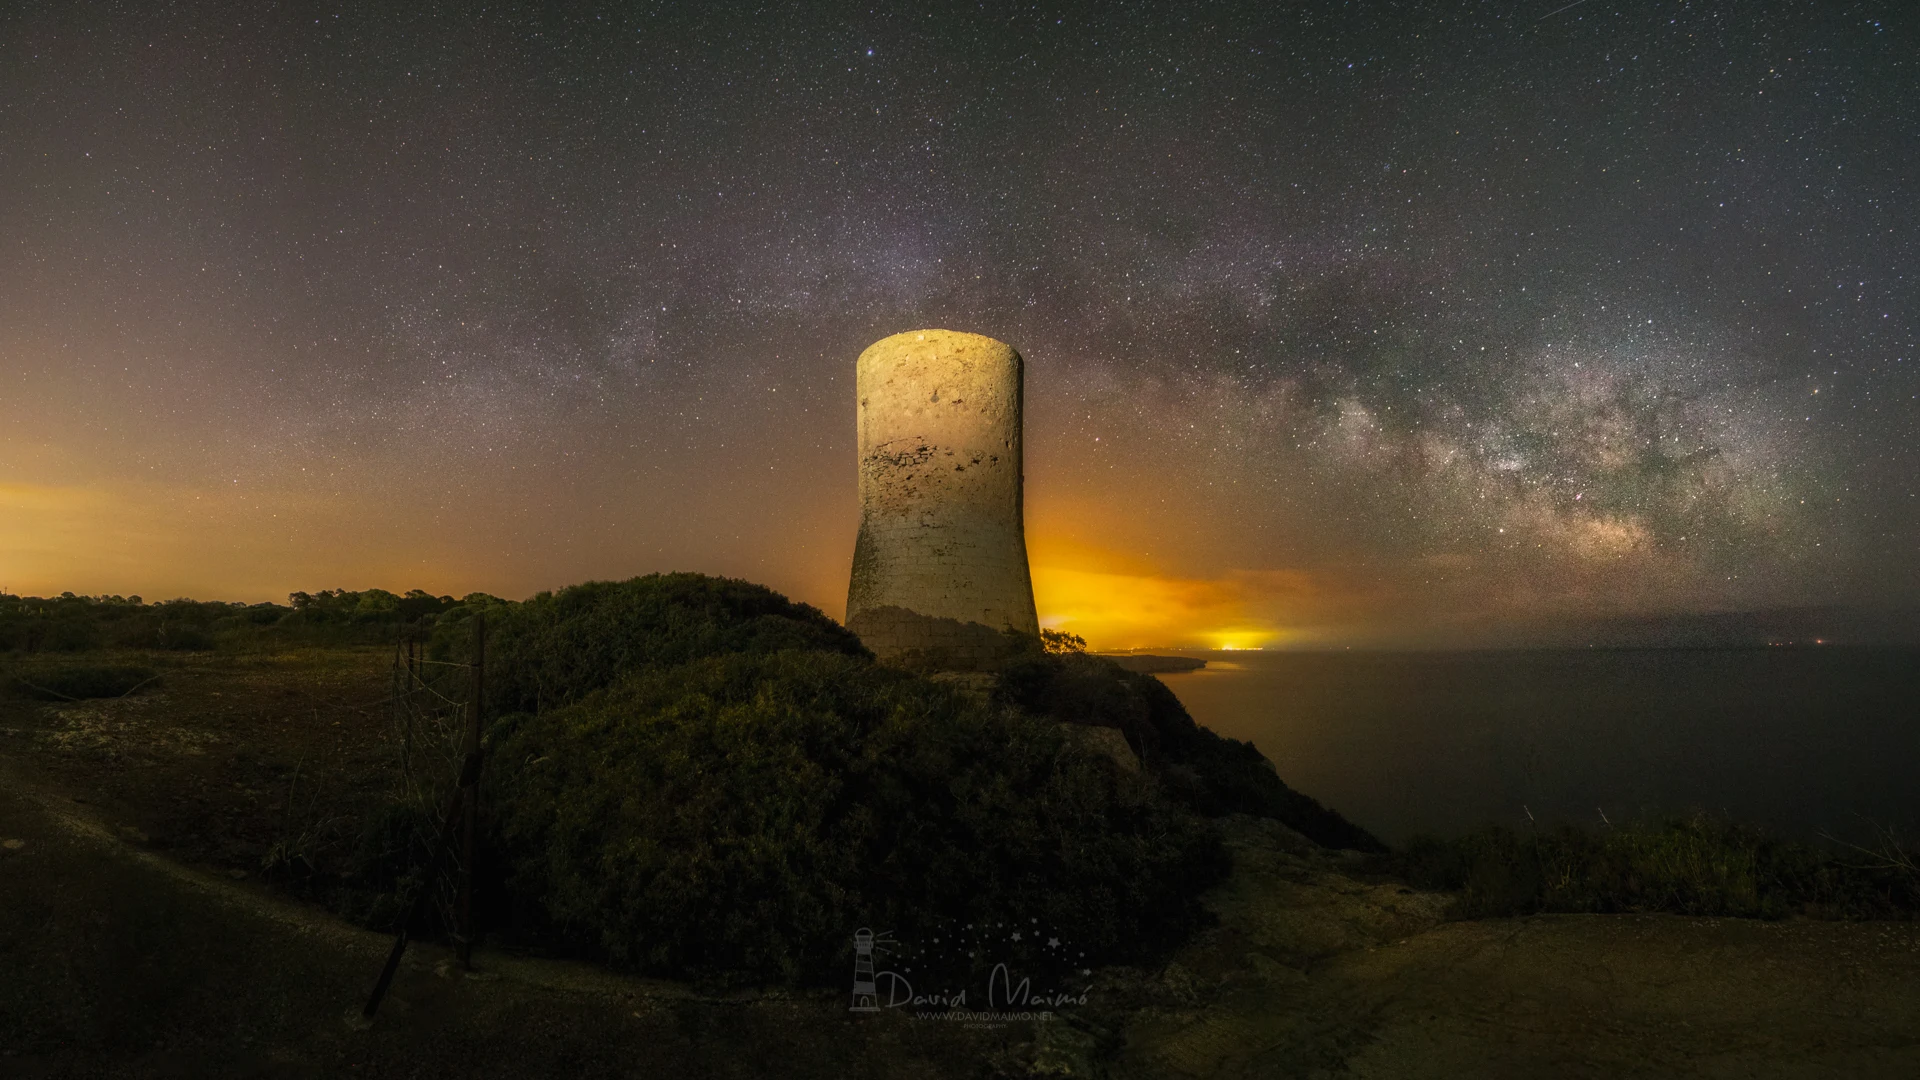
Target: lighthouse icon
[(866, 997)]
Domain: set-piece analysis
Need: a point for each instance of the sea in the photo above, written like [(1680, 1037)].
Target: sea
[(1804, 741)]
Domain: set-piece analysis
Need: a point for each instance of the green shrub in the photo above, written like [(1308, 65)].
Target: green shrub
[(1699, 865), (741, 815), (558, 647), (1209, 773), (78, 682)]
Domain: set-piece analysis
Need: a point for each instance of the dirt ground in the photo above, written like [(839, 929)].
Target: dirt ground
[(224, 755), (138, 939)]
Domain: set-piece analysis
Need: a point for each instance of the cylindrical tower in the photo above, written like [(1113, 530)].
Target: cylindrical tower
[(940, 566)]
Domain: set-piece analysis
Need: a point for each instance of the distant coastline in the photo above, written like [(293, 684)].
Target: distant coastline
[(1149, 664)]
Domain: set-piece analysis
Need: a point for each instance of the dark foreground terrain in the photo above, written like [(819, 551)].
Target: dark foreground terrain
[(139, 936)]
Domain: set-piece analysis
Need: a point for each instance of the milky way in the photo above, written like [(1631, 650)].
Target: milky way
[(1361, 316)]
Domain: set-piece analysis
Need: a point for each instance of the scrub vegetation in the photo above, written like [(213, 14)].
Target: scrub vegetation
[(1700, 865), (741, 815), (698, 777), (69, 623), (703, 778), (556, 648)]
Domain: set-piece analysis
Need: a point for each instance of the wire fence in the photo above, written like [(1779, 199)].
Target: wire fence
[(427, 711), (439, 737)]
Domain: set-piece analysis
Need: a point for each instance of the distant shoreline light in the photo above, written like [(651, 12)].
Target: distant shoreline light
[(1242, 640)]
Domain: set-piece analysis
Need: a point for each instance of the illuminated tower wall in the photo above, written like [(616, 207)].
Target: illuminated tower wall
[(940, 566)]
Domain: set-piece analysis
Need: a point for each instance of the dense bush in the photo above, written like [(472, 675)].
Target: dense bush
[(743, 814), (558, 647), (1687, 866), (1205, 771)]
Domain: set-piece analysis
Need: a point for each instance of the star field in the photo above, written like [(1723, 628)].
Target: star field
[(1337, 317)]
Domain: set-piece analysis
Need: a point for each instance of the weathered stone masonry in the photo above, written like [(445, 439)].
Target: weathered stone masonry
[(940, 566)]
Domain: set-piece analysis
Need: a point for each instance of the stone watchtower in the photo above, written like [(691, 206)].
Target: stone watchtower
[(940, 567)]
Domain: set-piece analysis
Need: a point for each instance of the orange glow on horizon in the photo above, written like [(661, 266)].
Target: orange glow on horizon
[(245, 543), (1117, 603), (165, 542)]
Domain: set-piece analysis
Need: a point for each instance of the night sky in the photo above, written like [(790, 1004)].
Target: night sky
[(1343, 322)]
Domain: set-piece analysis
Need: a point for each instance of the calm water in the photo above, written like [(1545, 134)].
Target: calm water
[(1800, 740)]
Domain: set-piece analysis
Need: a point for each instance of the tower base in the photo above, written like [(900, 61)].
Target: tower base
[(908, 639)]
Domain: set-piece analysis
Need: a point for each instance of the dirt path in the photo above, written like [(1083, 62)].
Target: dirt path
[(205, 763)]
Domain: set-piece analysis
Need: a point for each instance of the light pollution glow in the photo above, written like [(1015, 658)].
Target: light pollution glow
[(162, 543), (1141, 609)]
